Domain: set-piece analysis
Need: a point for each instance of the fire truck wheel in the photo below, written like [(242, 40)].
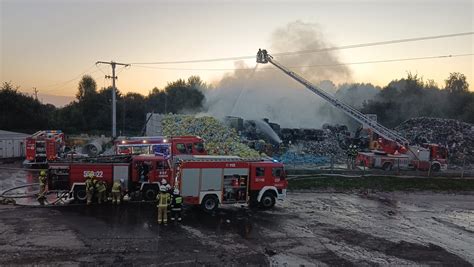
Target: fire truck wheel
[(210, 203), (435, 167), (268, 200), (150, 194), (80, 194), (387, 166)]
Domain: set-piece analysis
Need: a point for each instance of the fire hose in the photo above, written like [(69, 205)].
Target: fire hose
[(6, 198)]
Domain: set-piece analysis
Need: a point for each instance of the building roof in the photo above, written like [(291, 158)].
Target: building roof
[(8, 134)]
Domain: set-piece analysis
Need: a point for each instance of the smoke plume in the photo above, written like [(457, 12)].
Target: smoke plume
[(255, 93)]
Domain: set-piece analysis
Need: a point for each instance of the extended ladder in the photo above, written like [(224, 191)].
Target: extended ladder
[(347, 109)]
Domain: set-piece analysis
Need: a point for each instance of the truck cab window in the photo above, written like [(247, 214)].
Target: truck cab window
[(277, 172), (181, 148), (199, 147), (259, 171)]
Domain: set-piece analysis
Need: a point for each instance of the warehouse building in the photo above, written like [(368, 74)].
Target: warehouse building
[(12, 144)]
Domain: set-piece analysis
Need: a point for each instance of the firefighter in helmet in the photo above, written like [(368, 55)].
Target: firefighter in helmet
[(165, 183), (117, 192), (176, 205), (350, 157), (42, 182), (101, 192), (163, 199), (90, 187)]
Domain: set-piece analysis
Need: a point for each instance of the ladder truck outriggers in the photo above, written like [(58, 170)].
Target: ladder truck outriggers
[(393, 149)]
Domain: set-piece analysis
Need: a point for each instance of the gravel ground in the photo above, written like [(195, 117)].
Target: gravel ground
[(308, 229)]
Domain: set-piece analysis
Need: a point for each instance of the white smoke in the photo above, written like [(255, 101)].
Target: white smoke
[(256, 94)]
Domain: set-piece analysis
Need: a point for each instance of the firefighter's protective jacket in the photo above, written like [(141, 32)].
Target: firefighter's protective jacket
[(42, 180), (176, 202), (163, 199), (101, 187), (89, 185), (116, 187)]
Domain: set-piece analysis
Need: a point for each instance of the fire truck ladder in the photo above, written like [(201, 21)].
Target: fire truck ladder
[(263, 57)]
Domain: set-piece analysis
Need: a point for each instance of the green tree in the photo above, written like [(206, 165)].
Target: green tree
[(87, 88), (456, 83)]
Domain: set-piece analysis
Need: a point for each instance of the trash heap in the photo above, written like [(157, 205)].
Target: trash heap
[(457, 136), (219, 139), (324, 149)]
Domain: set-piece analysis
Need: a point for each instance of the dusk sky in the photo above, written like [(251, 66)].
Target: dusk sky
[(48, 44)]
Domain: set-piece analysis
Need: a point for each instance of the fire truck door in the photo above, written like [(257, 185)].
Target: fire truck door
[(190, 182), (378, 162), (121, 172)]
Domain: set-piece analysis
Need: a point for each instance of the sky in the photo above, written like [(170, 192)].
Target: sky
[(49, 44)]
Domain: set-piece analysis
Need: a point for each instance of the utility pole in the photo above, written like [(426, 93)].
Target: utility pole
[(113, 77), (35, 92)]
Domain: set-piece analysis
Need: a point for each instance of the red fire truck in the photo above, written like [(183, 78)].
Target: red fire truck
[(141, 174), (203, 180), (212, 180), (167, 146), (44, 146)]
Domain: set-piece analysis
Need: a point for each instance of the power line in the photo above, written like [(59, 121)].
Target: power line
[(312, 50), (61, 84), (69, 81), (315, 66)]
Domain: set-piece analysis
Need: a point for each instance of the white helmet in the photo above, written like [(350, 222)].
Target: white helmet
[(176, 191), (163, 181), (162, 188)]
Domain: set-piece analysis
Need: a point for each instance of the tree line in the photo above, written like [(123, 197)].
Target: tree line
[(91, 111), (413, 97)]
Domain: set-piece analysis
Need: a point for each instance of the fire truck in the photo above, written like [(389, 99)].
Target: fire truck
[(206, 181), (212, 180), (44, 146), (141, 174), (389, 143), (168, 146)]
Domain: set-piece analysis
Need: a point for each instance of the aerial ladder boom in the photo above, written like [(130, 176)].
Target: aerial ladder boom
[(263, 57)]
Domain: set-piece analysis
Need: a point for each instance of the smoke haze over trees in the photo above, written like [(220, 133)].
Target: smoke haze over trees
[(400, 100), (412, 97)]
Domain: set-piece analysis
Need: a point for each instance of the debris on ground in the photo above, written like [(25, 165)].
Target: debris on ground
[(456, 135)]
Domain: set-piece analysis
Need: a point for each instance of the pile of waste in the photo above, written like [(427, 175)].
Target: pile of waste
[(457, 136), (219, 139), (308, 151)]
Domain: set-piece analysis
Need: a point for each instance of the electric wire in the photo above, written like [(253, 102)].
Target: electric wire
[(315, 66), (311, 50)]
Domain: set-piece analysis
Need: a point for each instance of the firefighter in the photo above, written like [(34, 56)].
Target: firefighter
[(264, 55), (176, 205), (42, 181), (101, 192), (90, 188), (350, 155), (163, 199), (168, 186), (117, 192), (259, 55)]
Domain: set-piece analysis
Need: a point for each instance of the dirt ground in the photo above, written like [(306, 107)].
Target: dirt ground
[(309, 228)]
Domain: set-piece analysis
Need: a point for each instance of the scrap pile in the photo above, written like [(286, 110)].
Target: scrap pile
[(457, 136), (305, 149), (219, 139)]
